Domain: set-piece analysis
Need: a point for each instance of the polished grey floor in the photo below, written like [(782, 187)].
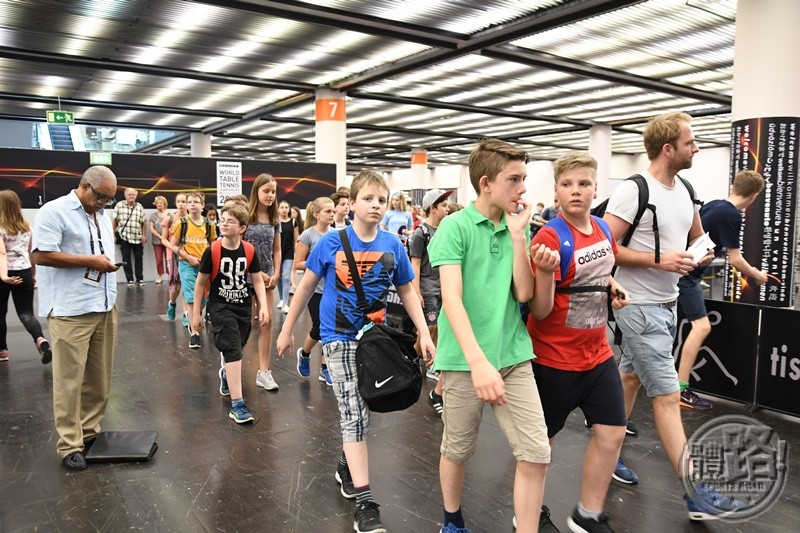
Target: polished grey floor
[(210, 474)]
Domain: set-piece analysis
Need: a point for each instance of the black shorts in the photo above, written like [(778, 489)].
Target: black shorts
[(598, 392), (690, 298), (313, 310), (230, 328)]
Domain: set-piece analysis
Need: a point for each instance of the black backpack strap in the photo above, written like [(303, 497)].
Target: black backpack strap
[(184, 228), (361, 300), (644, 204)]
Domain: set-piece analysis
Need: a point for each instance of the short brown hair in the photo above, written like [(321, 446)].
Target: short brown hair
[(572, 160), (661, 130), (239, 212), (240, 199), (490, 157), (747, 182), (364, 178), (338, 195)]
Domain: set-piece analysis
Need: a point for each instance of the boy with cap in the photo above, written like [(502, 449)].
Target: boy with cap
[(426, 278)]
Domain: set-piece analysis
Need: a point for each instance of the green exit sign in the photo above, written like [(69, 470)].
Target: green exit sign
[(100, 158), (60, 117)]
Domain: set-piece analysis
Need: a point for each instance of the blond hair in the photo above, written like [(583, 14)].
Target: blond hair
[(573, 159), (160, 199), (313, 209), (489, 158), (661, 130), (364, 179), (272, 210), (11, 219), (747, 182), (197, 194)]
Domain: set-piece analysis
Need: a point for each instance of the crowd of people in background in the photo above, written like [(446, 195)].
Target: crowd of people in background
[(442, 259)]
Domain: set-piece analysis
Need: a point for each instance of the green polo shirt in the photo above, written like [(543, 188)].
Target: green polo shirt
[(485, 254)]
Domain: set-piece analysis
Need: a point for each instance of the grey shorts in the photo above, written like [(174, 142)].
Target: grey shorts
[(521, 418), (648, 331), (353, 412)]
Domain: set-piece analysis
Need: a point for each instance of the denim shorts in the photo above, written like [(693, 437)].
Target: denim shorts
[(691, 298), (353, 411), (648, 331)]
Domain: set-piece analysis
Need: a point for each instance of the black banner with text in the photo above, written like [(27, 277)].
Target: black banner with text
[(769, 146), (779, 361)]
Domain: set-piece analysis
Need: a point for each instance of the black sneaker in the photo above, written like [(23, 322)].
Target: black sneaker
[(368, 518), (74, 461), (436, 401), (631, 429), (589, 525), (545, 524), (347, 488), (194, 342)]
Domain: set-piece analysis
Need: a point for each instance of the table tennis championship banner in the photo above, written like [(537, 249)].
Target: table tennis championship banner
[(769, 146)]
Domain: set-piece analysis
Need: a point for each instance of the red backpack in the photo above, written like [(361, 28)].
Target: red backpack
[(216, 256)]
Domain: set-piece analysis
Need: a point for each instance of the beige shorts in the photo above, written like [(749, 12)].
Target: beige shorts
[(521, 418)]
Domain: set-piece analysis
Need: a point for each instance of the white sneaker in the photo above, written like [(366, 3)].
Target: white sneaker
[(264, 379), (280, 304), (286, 309), (431, 374)]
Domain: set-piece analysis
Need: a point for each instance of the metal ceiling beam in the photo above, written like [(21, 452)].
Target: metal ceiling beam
[(547, 19), (150, 70), (532, 58), (100, 123), (465, 108), (345, 20), (116, 105)]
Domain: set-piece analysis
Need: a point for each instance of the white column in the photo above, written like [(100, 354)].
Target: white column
[(420, 175), (330, 141), (200, 144), (600, 149)]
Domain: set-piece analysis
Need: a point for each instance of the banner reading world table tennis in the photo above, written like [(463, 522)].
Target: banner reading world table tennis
[(769, 146)]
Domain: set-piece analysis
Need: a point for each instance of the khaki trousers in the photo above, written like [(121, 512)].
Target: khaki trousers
[(83, 354)]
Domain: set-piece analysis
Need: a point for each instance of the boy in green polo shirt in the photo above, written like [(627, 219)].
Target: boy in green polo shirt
[(484, 351)]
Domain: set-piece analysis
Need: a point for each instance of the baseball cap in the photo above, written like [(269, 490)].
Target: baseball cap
[(433, 196)]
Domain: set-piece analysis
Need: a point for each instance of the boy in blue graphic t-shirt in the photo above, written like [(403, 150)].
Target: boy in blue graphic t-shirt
[(383, 261)]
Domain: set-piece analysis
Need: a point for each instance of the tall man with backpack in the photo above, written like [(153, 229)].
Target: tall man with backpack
[(426, 278), (650, 262)]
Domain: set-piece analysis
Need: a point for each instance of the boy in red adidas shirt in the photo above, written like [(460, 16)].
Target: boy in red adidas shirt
[(226, 264), (574, 365)]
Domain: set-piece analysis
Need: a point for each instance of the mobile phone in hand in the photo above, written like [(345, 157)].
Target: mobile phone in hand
[(123, 263)]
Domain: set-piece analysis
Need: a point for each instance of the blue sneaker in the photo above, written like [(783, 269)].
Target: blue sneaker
[(186, 321), (450, 528), (223, 383), (324, 375), (171, 311), (708, 504), (623, 474), (240, 414), (303, 364)]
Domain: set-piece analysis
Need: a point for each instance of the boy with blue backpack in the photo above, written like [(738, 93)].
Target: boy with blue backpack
[(574, 365)]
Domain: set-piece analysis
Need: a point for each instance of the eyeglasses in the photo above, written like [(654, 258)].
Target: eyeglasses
[(101, 199), (228, 222)]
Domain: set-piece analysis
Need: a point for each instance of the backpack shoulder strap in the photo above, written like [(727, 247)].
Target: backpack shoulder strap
[(565, 244), (216, 257), (644, 204), (249, 252), (690, 188), (605, 227), (209, 225), (184, 228)]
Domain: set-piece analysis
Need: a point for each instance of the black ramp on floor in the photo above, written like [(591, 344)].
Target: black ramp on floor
[(122, 446)]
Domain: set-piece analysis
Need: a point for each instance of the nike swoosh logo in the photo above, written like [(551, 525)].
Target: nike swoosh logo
[(379, 384)]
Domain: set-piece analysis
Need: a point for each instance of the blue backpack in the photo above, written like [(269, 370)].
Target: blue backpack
[(567, 249)]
